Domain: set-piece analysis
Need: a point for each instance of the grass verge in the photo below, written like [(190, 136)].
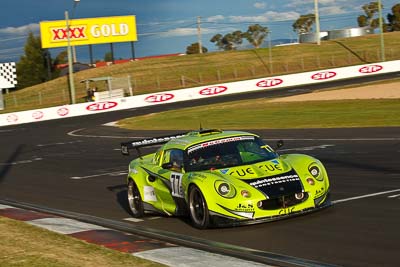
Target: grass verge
[(262, 114), (25, 245)]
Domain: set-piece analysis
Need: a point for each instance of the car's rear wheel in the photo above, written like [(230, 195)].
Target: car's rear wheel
[(199, 213), (135, 200)]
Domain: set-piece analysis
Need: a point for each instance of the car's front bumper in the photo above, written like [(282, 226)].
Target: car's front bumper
[(219, 220)]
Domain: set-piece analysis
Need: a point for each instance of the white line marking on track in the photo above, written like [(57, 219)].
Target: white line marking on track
[(21, 162), (365, 196), (74, 133), (307, 148), (117, 173), (133, 220), (394, 196), (60, 143)]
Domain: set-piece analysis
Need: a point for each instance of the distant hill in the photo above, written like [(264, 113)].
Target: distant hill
[(157, 74)]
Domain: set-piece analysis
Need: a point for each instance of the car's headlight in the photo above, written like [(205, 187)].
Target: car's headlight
[(225, 189), (316, 171)]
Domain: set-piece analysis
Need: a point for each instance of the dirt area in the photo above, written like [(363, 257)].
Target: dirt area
[(375, 91)]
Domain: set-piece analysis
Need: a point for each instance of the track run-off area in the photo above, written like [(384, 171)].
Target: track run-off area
[(75, 165)]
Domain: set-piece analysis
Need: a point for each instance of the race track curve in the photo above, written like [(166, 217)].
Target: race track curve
[(75, 165)]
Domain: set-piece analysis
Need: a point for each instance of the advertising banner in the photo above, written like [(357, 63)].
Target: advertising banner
[(88, 31), (200, 92)]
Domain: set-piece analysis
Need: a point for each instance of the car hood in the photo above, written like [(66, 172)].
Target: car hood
[(273, 178)]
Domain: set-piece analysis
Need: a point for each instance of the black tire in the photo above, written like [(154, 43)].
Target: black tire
[(135, 200), (198, 208)]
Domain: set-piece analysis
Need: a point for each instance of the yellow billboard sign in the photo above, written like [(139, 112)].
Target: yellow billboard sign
[(88, 31)]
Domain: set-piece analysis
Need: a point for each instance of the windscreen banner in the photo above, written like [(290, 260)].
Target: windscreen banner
[(88, 31)]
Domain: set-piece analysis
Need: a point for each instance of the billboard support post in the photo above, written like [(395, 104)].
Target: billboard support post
[(91, 54), (112, 52), (133, 50)]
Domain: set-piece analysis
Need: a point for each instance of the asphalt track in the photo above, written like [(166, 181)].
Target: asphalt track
[(75, 165)]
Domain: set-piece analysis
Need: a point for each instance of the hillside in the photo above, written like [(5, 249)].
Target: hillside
[(168, 73)]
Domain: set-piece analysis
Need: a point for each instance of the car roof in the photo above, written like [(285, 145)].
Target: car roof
[(196, 137)]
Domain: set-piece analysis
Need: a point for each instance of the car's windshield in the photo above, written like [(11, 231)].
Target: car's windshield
[(227, 152)]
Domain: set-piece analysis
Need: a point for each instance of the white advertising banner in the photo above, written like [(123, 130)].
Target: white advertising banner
[(270, 83)]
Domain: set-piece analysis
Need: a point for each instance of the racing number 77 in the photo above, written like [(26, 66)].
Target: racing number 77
[(176, 184)]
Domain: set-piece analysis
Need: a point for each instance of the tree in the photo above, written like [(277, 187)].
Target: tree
[(304, 24), (256, 34), (31, 68), (368, 19), (229, 41), (194, 49), (394, 19)]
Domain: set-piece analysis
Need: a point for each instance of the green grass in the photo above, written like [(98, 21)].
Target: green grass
[(160, 74), (25, 245), (261, 114)]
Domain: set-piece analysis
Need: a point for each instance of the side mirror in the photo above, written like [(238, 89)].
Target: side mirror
[(279, 144), (167, 165), (124, 150)]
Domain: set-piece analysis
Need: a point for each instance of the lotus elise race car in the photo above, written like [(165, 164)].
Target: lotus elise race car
[(221, 178)]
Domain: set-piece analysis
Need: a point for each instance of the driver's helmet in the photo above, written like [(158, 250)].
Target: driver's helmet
[(176, 158)]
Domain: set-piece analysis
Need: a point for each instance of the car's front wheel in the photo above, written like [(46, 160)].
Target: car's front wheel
[(198, 208), (135, 200)]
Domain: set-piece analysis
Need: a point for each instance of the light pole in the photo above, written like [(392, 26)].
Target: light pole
[(270, 52), (199, 35), (381, 30), (70, 67), (317, 28), (70, 63), (72, 17)]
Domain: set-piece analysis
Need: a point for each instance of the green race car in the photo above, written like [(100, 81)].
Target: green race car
[(221, 178)]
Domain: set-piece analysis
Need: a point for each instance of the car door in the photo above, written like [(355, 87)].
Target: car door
[(165, 180), (172, 163)]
